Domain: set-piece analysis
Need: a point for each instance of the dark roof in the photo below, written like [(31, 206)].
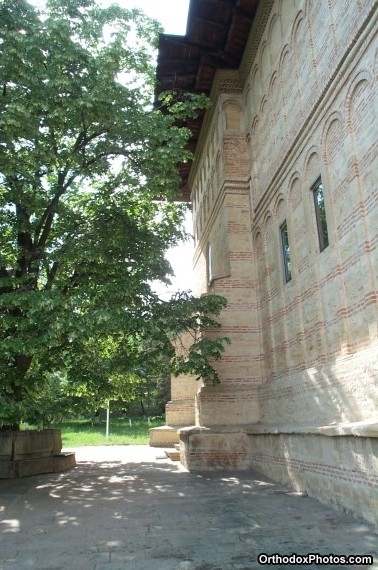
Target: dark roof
[(217, 32)]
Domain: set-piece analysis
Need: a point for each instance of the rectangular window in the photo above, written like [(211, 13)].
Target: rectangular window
[(320, 213), (285, 251)]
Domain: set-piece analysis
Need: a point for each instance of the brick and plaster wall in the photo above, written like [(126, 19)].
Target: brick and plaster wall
[(224, 263), (341, 471), (302, 105), (307, 109), (319, 330)]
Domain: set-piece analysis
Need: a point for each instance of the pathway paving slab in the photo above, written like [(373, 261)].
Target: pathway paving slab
[(131, 508)]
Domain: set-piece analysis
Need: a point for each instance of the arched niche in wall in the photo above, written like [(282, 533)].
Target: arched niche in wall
[(361, 116), (267, 225), (285, 15), (332, 137), (270, 250), (264, 63), (284, 81), (274, 38), (361, 112), (268, 232), (312, 168), (218, 171), (303, 237), (213, 183), (295, 192), (301, 65), (335, 151), (258, 242), (233, 116), (235, 158), (274, 104), (256, 83), (280, 209)]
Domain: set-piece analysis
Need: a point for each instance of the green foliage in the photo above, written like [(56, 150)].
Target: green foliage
[(185, 319), (78, 433), (83, 157)]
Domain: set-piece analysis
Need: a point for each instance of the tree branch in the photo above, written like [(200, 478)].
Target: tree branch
[(24, 241), (4, 274), (51, 276), (44, 227)]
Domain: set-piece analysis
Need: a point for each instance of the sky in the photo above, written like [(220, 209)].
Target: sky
[(173, 16), (171, 13)]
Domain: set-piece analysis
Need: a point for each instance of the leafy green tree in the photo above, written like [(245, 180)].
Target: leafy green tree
[(88, 174), (122, 364)]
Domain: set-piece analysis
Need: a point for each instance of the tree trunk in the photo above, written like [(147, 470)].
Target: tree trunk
[(17, 391)]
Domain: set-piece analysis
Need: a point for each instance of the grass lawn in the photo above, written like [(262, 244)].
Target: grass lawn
[(77, 433)]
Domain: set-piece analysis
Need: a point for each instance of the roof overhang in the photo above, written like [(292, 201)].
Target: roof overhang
[(216, 36)]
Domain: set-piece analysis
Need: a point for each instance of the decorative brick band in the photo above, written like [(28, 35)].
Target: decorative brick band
[(333, 471)]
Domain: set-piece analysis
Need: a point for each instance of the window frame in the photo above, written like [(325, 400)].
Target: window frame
[(285, 252), (321, 227)]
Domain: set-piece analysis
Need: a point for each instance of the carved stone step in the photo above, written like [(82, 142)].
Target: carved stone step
[(173, 454)]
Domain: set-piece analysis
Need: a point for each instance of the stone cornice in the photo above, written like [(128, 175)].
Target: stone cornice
[(254, 39), (228, 187)]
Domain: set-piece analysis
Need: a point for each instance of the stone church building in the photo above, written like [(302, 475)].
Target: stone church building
[(284, 190)]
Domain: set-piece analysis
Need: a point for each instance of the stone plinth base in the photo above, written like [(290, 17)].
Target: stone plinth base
[(334, 464), (26, 467), (29, 452), (164, 436), (205, 449)]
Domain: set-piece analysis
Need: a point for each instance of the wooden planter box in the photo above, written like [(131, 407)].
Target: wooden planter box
[(31, 452)]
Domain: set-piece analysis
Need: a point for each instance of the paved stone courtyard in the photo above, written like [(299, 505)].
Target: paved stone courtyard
[(130, 508)]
